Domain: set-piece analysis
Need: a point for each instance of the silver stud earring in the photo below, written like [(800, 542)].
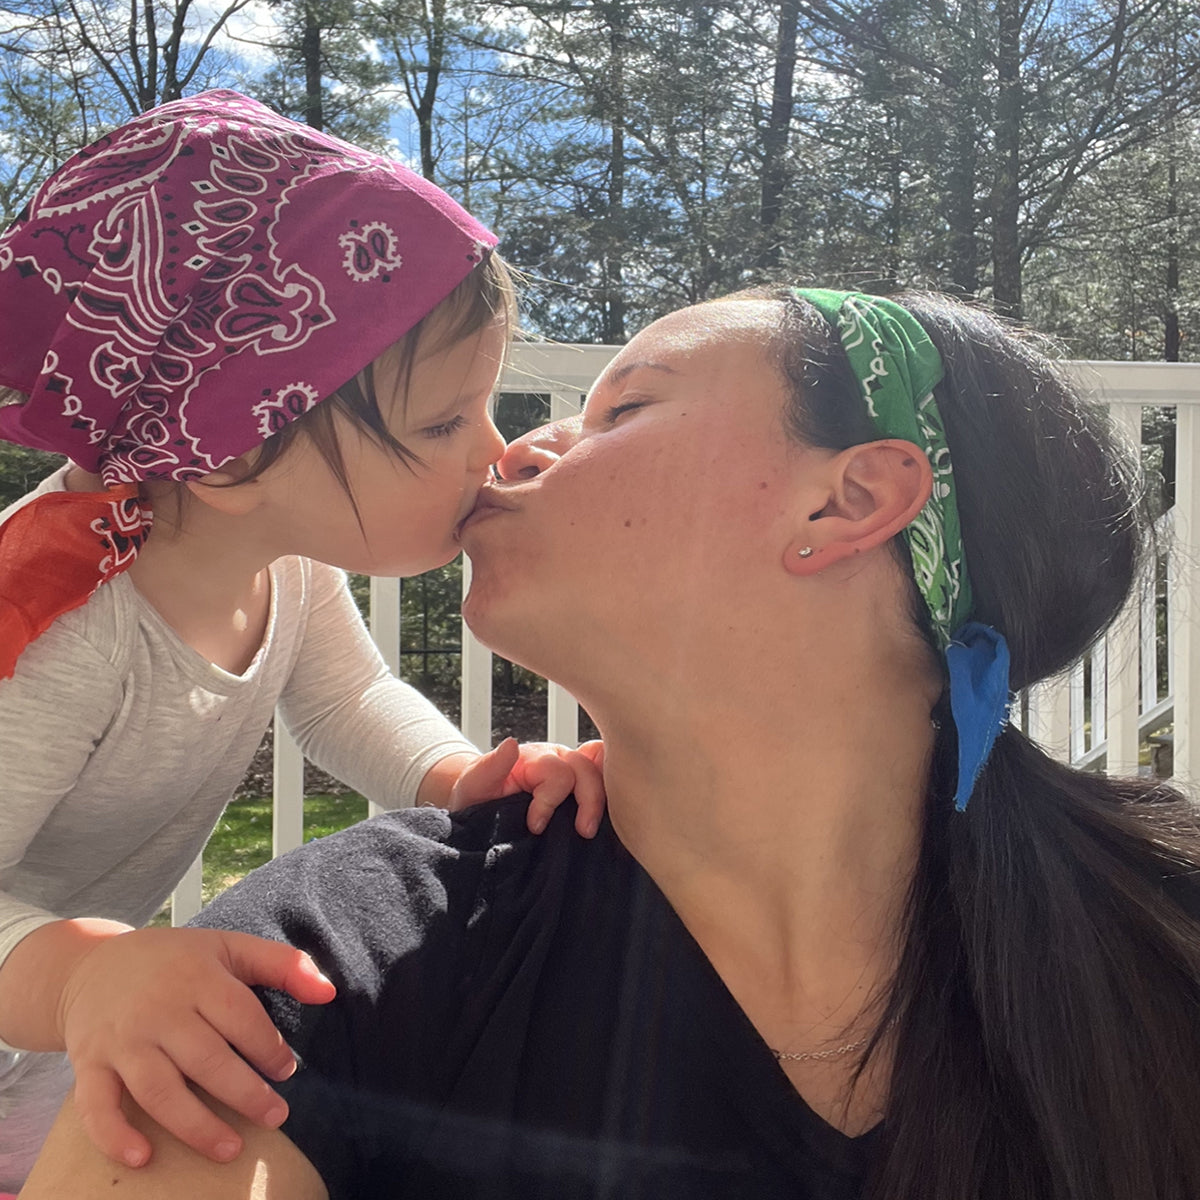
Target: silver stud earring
[(805, 552)]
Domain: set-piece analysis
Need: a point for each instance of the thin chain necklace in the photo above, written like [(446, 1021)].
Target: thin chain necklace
[(821, 1055), (826, 1055)]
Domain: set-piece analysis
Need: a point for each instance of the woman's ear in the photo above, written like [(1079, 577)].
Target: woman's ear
[(874, 491), (227, 490)]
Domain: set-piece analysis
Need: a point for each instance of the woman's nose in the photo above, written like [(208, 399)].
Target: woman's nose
[(531, 454)]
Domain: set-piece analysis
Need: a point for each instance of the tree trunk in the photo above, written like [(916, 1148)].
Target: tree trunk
[(310, 54), (614, 251), (775, 136), (960, 209), (1172, 339), (962, 160), (1006, 195), (427, 96), (1171, 333)]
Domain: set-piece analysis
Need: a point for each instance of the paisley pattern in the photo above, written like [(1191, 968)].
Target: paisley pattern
[(121, 532), (370, 252), (204, 256), (283, 406), (898, 368), (178, 292)]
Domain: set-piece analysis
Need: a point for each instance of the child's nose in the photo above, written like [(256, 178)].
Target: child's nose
[(489, 447), (531, 454)]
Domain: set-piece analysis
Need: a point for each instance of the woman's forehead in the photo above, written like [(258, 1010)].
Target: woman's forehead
[(704, 327)]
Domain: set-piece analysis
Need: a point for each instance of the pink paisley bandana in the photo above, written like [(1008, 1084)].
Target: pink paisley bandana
[(185, 287)]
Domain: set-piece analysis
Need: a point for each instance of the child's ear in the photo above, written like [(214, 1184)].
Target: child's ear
[(227, 490), (874, 491)]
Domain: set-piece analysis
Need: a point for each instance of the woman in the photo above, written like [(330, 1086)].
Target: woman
[(847, 933)]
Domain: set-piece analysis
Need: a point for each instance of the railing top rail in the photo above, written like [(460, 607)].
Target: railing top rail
[(554, 366), (1138, 382), (573, 366)]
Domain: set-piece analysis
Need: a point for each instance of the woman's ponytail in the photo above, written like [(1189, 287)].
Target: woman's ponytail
[(1047, 1001)]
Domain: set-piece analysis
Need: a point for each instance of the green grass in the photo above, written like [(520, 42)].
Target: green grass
[(242, 838)]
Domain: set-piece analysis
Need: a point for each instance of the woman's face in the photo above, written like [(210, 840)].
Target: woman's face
[(656, 516)]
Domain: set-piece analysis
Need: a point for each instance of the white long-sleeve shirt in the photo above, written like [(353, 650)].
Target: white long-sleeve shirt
[(120, 746)]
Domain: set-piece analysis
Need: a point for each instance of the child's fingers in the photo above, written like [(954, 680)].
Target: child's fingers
[(589, 794), (556, 780), (98, 1103), (261, 962), (204, 1057), (236, 1015), (155, 1083), (487, 777), (594, 750)]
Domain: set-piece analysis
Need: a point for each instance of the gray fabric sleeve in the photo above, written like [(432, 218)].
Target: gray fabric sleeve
[(350, 715), (53, 712)]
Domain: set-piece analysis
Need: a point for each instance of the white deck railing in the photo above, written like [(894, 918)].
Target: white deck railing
[(1101, 712)]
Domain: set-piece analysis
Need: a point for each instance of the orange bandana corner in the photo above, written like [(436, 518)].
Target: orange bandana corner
[(56, 551)]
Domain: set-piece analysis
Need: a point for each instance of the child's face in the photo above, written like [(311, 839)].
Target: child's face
[(410, 513)]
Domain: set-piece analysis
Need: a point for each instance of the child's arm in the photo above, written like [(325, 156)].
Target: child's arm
[(360, 723), (550, 772), (147, 1010)]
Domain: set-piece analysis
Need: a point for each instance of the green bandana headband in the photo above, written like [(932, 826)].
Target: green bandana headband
[(898, 367)]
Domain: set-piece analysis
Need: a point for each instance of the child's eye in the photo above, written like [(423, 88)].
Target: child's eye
[(446, 428)]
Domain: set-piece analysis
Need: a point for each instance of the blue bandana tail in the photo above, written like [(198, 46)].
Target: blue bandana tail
[(977, 659)]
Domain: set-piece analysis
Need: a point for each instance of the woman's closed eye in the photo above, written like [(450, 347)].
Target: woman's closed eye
[(617, 411)]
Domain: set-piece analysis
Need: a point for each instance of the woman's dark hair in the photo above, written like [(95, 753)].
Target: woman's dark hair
[(1047, 1001)]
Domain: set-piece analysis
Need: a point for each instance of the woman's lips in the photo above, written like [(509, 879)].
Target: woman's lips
[(487, 504)]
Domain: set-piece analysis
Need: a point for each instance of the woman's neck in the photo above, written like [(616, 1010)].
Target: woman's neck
[(778, 826), (787, 848), (783, 824)]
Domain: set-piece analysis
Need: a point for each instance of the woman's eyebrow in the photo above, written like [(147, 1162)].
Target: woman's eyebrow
[(619, 374), (622, 373)]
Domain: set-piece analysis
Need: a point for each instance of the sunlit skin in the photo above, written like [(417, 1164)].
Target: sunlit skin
[(409, 511), (204, 569), (67, 984), (646, 556)]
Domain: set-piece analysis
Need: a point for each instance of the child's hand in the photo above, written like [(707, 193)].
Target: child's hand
[(154, 1008), (551, 772)]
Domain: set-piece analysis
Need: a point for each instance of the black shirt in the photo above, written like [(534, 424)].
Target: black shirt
[(522, 1017)]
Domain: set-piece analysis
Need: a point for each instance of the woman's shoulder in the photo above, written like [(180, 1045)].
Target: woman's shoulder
[(389, 885)]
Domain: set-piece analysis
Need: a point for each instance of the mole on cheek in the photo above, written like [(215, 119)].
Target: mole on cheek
[(628, 524), (762, 487)]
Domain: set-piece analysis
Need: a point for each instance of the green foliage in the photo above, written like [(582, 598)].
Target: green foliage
[(242, 839), (22, 469), (640, 156), (324, 74)]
